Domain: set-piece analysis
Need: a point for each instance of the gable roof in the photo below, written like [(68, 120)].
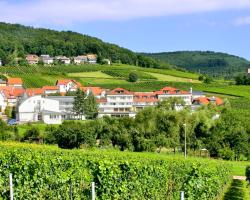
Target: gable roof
[(95, 90), (120, 91), (11, 92), (34, 91), (206, 100), (170, 90), (145, 97), (66, 81), (49, 87), (14, 81)]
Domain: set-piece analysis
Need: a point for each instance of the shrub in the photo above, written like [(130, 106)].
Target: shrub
[(248, 173), (132, 77)]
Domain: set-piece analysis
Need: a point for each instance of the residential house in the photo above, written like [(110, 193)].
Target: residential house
[(32, 59), (11, 94), (50, 110), (118, 103), (47, 59), (207, 100), (66, 85), (80, 59), (1, 63), (92, 58), (15, 82), (98, 92), (63, 59)]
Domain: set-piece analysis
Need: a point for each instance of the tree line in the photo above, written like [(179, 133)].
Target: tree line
[(16, 41), (153, 129)]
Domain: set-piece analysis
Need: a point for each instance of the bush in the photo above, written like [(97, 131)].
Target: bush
[(248, 173), (31, 134), (132, 77)]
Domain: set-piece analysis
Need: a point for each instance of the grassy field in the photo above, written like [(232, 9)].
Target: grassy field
[(165, 77), (95, 74)]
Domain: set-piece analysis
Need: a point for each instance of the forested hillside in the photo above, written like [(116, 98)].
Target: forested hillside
[(207, 62), (17, 41)]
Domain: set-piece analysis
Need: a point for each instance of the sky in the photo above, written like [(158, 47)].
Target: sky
[(143, 25)]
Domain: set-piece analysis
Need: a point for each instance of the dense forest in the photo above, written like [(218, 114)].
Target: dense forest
[(16, 41), (206, 62)]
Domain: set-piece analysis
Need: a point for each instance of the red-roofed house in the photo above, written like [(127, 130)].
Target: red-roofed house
[(206, 100), (15, 82), (66, 85), (96, 91)]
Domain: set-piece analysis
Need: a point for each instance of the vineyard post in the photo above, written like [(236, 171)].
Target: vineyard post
[(70, 190), (11, 188), (185, 145), (93, 190), (182, 195)]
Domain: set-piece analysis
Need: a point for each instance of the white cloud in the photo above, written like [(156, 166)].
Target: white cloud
[(241, 21), (70, 11)]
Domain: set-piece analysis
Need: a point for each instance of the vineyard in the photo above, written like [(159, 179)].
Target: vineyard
[(42, 172), (125, 74)]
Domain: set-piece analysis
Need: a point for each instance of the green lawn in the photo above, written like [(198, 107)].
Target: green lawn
[(165, 77), (96, 74)]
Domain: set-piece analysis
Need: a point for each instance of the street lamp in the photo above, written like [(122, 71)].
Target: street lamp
[(185, 144)]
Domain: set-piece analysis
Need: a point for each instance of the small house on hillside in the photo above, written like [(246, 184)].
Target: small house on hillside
[(32, 59), (47, 59), (1, 63), (67, 85), (63, 59), (80, 59), (92, 58)]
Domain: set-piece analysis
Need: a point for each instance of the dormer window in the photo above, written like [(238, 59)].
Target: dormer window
[(166, 91), (177, 91), (120, 91)]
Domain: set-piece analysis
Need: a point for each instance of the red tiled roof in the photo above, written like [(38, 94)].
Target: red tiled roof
[(206, 100), (95, 90), (120, 91), (32, 57), (50, 87), (66, 81), (145, 97), (34, 91), (63, 82), (14, 81), (170, 90), (12, 92)]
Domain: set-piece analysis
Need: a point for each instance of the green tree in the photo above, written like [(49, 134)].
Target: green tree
[(90, 107), (171, 103), (78, 105), (132, 77)]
